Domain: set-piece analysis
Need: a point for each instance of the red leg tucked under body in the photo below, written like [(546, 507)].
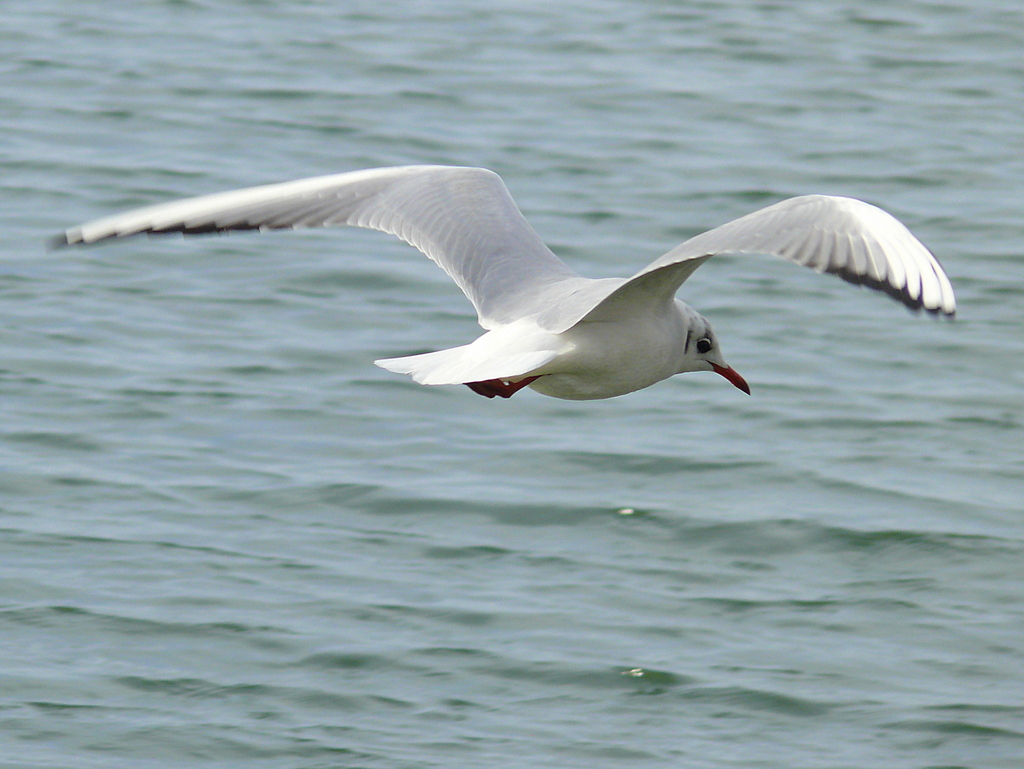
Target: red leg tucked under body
[(501, 388)]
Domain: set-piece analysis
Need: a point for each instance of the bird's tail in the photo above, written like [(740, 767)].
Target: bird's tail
[(497, 354)]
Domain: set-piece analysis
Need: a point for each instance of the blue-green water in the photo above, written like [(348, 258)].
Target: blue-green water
[(229, 540)]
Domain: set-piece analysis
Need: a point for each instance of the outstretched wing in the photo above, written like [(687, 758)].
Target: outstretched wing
[(462, 218), (856, 241)]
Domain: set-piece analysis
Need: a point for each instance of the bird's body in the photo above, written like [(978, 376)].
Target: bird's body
[(547, 327), (604, 359)]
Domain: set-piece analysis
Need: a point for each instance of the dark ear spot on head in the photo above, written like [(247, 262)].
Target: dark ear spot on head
[(703, 345)]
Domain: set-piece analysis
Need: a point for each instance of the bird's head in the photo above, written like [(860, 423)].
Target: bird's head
[(702, 353)]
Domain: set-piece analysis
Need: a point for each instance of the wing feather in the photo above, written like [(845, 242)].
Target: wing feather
[(466, 221), (856, 241), (462, 218)]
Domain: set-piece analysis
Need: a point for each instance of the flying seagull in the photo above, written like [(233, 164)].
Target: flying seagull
[(548, 327)]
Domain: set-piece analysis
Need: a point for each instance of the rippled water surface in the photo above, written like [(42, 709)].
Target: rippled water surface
[(229, 540)]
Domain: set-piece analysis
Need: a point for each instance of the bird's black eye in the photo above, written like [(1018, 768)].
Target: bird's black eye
[(703, 345)]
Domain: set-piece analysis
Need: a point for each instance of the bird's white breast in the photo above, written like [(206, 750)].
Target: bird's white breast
[(605, 359)]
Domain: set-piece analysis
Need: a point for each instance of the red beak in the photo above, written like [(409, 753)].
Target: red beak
[(733, 376)]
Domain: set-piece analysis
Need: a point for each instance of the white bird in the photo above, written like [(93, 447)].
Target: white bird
[(547, 327)]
